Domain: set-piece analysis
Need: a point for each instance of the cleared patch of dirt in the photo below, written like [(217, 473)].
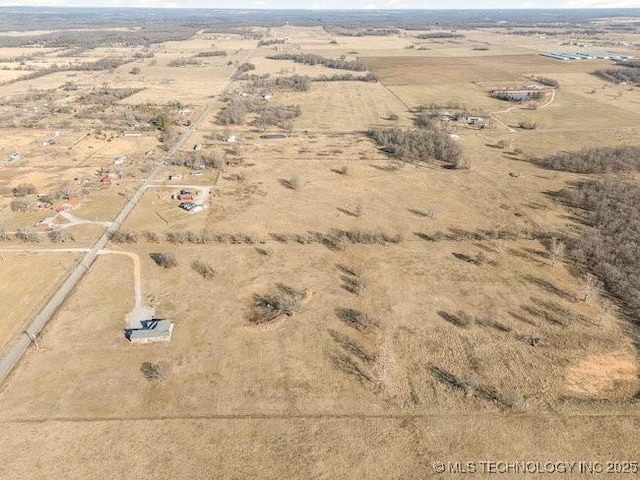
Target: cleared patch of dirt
[(598, 374)]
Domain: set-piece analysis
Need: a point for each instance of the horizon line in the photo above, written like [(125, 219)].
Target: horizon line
[(258, 8)]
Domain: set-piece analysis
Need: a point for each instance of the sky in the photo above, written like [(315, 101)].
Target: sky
[(332, 4)]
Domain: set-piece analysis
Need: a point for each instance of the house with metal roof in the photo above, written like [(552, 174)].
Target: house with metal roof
[(151, 331)]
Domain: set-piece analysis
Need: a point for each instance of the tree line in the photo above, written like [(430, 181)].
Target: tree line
[(621, 159), (312, 59), (610, 248)]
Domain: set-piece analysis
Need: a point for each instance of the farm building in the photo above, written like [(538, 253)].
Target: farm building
[(70, 204), (46, 223), (191, 207), (183, 196), (151, 331)]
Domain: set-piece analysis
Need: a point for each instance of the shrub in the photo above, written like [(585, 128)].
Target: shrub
[(152, 371), (293, 183), (203, 269), (244, 67), (356, 319), (27, 236), (152, 237), (58, 236), (284, 300), (165, 260), (123, 236), (24, 189), (550, 82)]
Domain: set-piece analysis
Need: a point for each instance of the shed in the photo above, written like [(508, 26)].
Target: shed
[(106, 180)]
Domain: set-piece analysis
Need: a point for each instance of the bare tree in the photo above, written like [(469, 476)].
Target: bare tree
[(589, 287), (58, 236), (165, 260), (24, 189), (152, 371), (203, 269), (556, 251)]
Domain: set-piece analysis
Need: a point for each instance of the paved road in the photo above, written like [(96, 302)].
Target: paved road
[(17, 351)]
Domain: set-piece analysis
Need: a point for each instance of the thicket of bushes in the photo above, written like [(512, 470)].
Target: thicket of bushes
[(183, 62), (418, 144), (510, 97), (619, 75), (549, 82), (244, 67), (595, 160), (214, 53), (270, 41), (300, 83), (347, 77), (312, 59), (611, 247), (235, 112)]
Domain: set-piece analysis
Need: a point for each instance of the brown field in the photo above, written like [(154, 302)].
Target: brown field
[(28, 280), (480, 348), (487, 68)]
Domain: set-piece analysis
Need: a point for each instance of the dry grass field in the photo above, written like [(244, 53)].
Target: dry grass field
[(452, 336)]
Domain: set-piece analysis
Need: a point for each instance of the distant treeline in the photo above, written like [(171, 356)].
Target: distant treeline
[(311, 59), (107, 63), (270, 41), (435, 35), (214, 53), (595, 160), (88, 39), (347, 77), (362, 31)]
